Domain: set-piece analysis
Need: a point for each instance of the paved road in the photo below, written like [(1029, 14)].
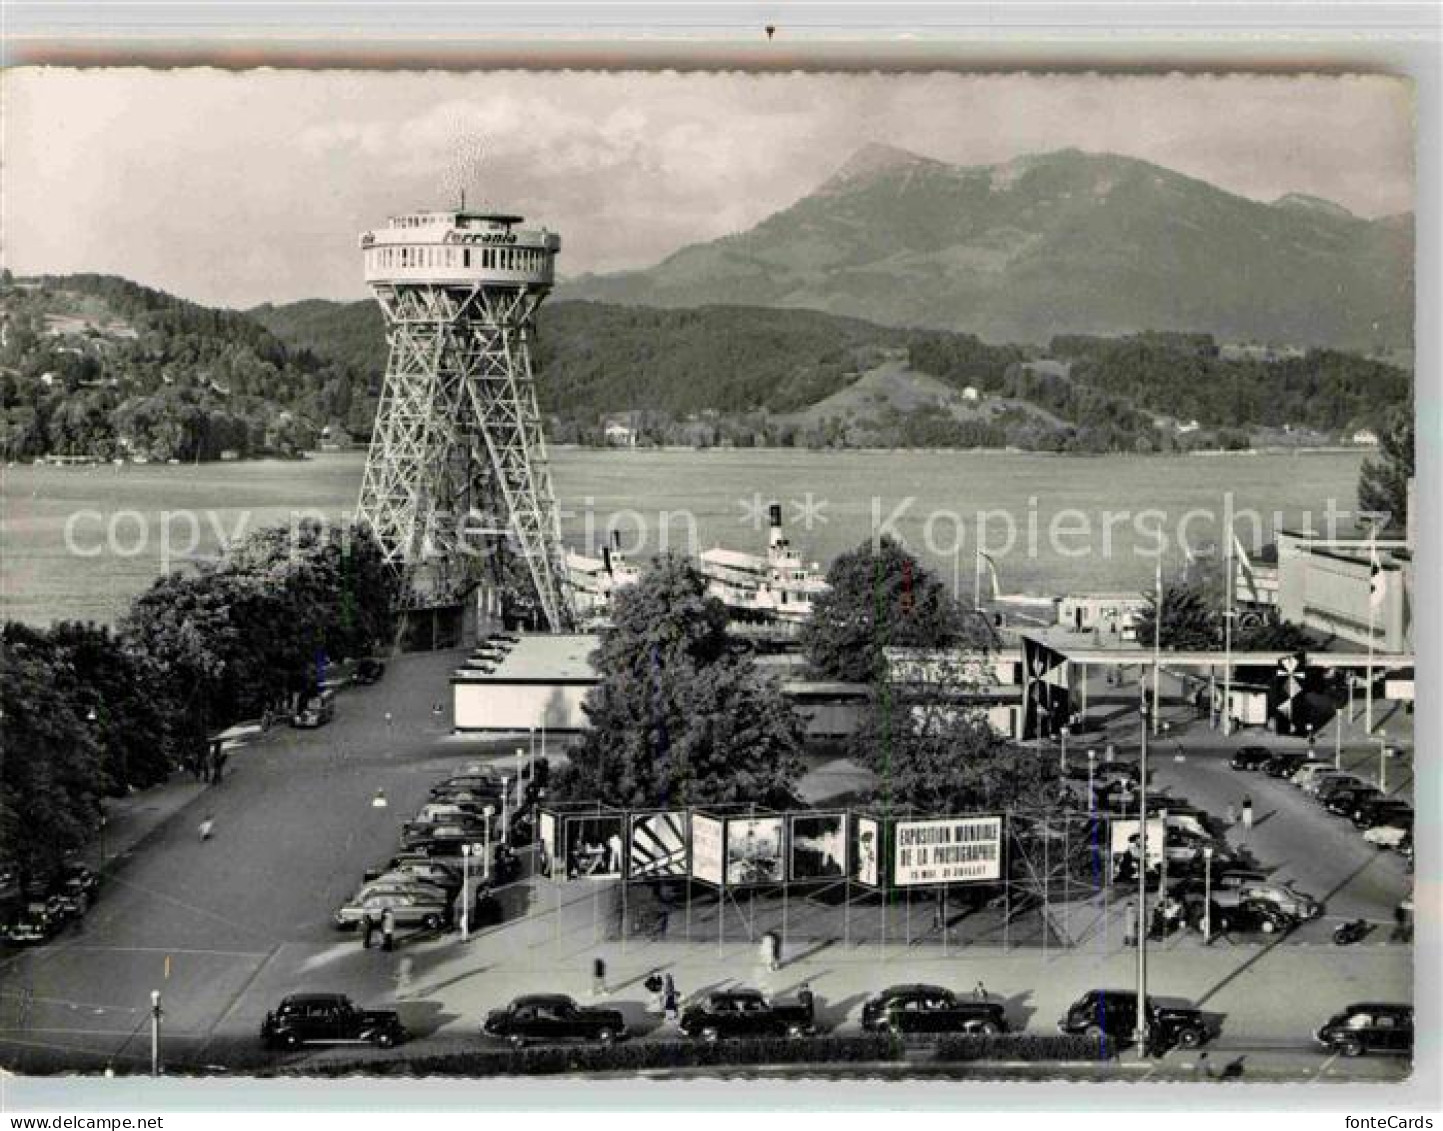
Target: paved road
[(226, 928)]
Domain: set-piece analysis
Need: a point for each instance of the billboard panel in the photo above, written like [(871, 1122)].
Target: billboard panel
[(867, 852), (947, 850), (754, 851), (706, 849), (1126, 845), (819, 846), (592, 844), (658, 845)]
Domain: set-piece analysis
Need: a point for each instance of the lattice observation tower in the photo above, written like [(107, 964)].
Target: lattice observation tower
[(457, 464)]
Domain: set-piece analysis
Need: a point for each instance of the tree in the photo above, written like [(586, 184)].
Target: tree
[(936, 753), (880, 596), (1383, 482), (1273, 636), (1189, 619), (681, 716)]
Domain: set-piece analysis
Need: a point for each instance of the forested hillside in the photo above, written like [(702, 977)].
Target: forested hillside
[(98, 366)]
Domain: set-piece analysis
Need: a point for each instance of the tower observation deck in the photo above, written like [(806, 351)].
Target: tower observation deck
[(457, 473)]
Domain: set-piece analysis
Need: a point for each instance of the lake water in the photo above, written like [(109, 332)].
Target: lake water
[(120, 519)]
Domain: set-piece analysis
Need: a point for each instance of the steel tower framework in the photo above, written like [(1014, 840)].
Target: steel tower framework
[(458, 458)]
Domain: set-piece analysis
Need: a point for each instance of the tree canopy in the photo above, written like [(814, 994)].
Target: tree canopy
[(681, 715), (1383, 481), (1189, 619), (880, 596)]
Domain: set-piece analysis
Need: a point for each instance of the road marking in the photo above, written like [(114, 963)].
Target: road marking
[(168, 950), (236, 999)]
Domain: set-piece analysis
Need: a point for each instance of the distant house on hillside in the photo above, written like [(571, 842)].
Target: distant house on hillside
[(970, 394), (1366, 437), (334, 438), (619, 432), (1189, 426)]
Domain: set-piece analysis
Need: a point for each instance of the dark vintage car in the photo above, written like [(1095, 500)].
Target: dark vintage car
[(1345, 801), (1381, 811), (1251, 915), (1334, 784), (1251, 758), (746, 1013), (1112, 1015), (370, 671), (1369, 1027), (1285, 765), (481, 782), (545, 1018), (920, 1009), (329, 1019), (37, 923)]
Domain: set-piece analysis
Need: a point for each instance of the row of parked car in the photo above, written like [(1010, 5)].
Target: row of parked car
[(43, 910), (420, 885), (1385, 820), (487, 655), (908, 1011)]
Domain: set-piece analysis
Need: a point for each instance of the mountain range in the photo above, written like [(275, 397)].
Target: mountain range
[(1057, 243)]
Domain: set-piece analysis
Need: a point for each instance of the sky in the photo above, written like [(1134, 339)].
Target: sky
[(237, 188)]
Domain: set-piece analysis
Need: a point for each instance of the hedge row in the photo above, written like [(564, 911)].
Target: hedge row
[(641, 1056)]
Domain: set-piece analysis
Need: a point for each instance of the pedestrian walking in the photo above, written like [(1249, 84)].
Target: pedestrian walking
[(368, 928), (979, 992), (1247, 815), (807, 1000), (1231, 816), (654, 986), (207, 826), (771, 951), (1129, 924), (670, 999), (388, 929), (598, 976)]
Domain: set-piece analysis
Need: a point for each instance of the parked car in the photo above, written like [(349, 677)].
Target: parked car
[(1382, 811), (317, 712), (408, 909), (1369, 1027), (422, 868), (399, 883), (1392, 835), (1112, 1014), (744, 1013), (310, 1019), (1336, 783), (913, 1009), (1345, 801), (483, 779), (1289, 900), (370, 671), (553, 1017), (442, 812), (1251, 915), (1309, 770), (1250, 758), (454, 832), (37, 923), (1285, 764), (1314, 782)]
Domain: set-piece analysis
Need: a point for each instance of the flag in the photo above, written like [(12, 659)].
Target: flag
[(1045, 700), (1246, 566), (1377, 579), (1289, 683), (991, 573)]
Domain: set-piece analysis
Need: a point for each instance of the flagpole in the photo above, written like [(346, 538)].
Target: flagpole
[(977, 578), (1375, 587), (1157, 652), (1230, 585), (1142, 924)]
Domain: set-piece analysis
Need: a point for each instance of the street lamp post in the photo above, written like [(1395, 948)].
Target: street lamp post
[(1207, 893), (155, 1015), (1383, 761), (1162, 886), (1062, 763), (466, 891), (505, 815), (1091, 769), (486, 835), (1338, 742), (1141, 1034)]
